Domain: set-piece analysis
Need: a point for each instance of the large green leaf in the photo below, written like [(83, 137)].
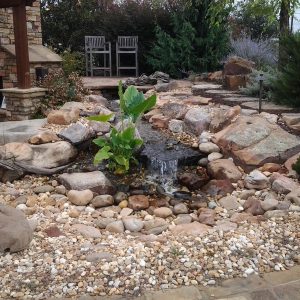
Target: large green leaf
[(101, 142), (102, 154), (146, 105), (100, 118)]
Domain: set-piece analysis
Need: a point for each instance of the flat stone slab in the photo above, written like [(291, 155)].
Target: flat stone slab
[(267, 107), (225, 93), (240, 99), (292, 120), (20, 131)]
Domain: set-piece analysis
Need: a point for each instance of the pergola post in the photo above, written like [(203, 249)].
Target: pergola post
[(21, 44)]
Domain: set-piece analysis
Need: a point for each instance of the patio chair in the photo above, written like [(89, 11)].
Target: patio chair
[(96, 46), (127, 45)]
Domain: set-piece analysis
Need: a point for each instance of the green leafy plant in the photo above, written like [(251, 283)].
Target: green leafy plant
[(121, 146), (73, 62)]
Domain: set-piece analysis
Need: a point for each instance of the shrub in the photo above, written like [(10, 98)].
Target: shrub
[(253, 87), (262, 52), (62, 88), (287, 85), (296, 166), (73, 62), (119, 149)]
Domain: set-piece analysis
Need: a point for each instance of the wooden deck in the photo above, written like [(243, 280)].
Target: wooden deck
[(108, 83)]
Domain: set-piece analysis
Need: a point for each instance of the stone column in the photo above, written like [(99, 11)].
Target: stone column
[(22, 104)]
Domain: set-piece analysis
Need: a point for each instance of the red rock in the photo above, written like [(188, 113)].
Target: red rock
[(193, 181), (138, 202), (253, 206), (235, 82), (63, 116), (206, 216), (238, 66), (218, 187)]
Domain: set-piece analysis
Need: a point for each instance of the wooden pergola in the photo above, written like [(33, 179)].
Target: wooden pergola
[(21, 39)]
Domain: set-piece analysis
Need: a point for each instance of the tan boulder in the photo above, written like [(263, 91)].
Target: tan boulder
[(224, 169), (44, 137), (63, 116)]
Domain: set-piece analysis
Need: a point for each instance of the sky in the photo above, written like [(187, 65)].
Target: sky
[(297, 20)]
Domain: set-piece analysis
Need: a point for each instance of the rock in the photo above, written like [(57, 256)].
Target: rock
[(116, 227), (197, 120), (276, 214), (162, 212), (74, 213), (214, 156), (246, 194), (224, 169), (293, 196), (119, 197), (254, 141), (193, 181), (103, 222), (43, 189), (235, 82), (154, 223), (283, 205), (138, 202), (183, 219), (289, 165), (218, 187), (256, 180), (100, 127), (292, 120), (269, 203), (15, 231), (194, 228), (223, 117), (225, 226), (209, 147), (180, 208), (43, 137), (229, 203), (87, 231), (270, 167), (176, 126), (45, 156), (238, 66), (174, 110), (103, 201), (200, 88), (282, 184), (206, 216), (63, 116), (159, 121), (96, 257), (123, 204), (98, 99), (76, 134), (253, 206), (203, 162), (133, 224), (95, 181), (125, 212), (80, 198), (243, 217)]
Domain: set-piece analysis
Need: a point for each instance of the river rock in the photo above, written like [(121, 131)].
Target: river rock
[(197, 120), (15, 231), (224, 169), (43, 137), (103, 222), (276, 214), (270, 203), (209, 147), (193, 181), (282, 184), (176, 126), (119, 197), (154, 223), (256, 180), (229, 203), (162, 212), (80, 198), (253, 206), (133, 224), (183, 219), (194, 228), (95, 181), (116, 227), (218, 187), (206, 216), (180, 208), (76, 134), (225, 225), (138, 202), (87, 231), (43, 189), (293, 196), (214, 156), (103, 201), (254, 141), (63, 116)]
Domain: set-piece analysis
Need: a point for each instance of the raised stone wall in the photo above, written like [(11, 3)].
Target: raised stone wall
[(34, 26)]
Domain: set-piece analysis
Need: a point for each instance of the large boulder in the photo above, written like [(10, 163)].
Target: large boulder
[(197, 120), (77, 134), (15, 231), (238, 66), (95, 181), (224, 169), (174, 110), (292, 120), (43, 137), (48, 156), (254, 141)]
